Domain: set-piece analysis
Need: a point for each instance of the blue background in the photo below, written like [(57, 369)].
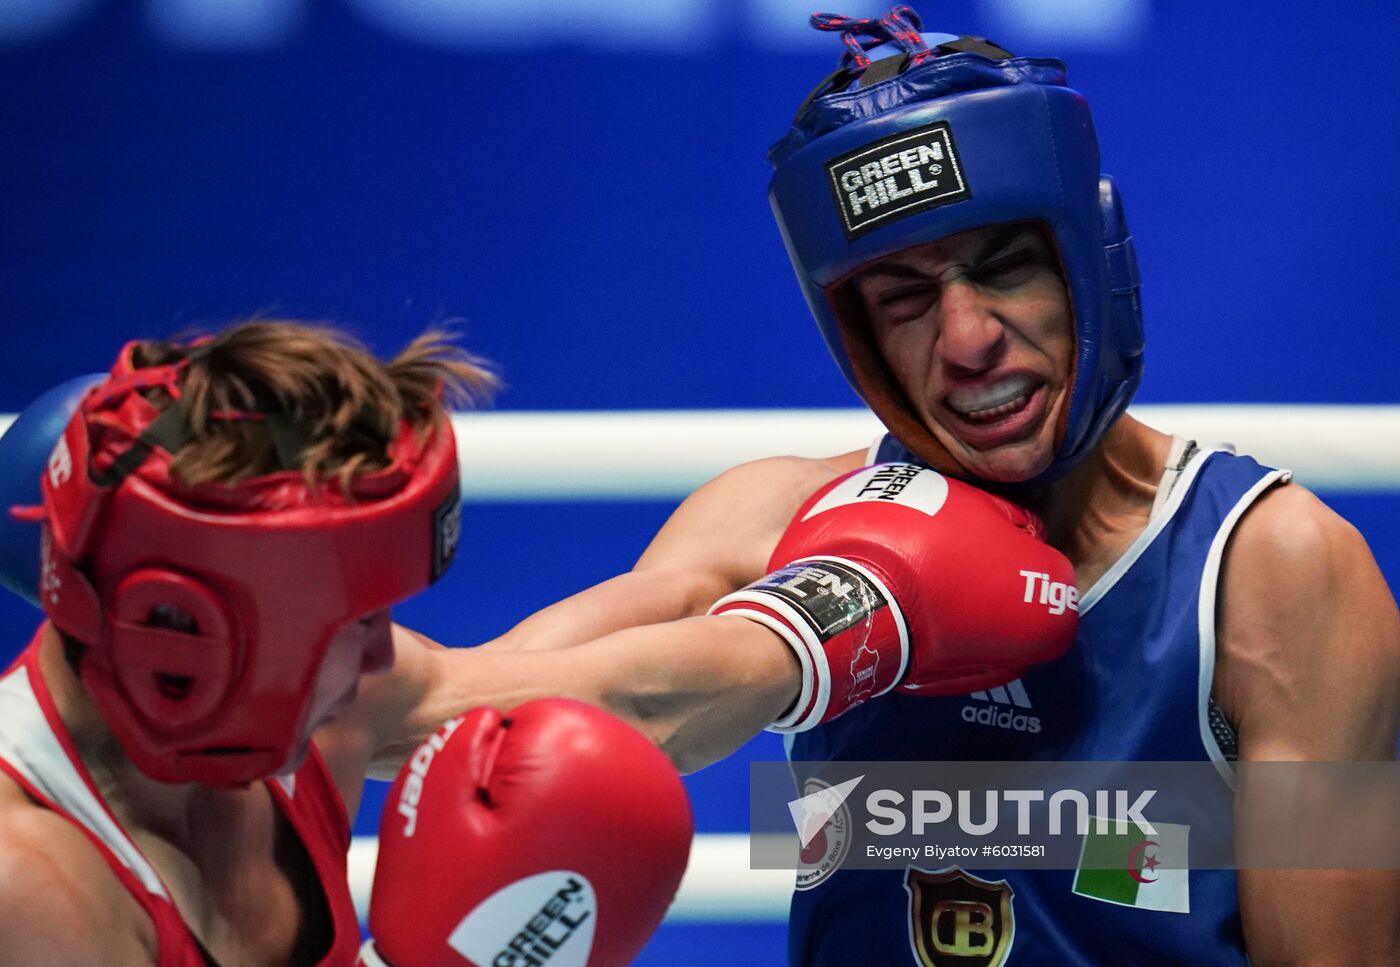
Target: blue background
[(583, 190)]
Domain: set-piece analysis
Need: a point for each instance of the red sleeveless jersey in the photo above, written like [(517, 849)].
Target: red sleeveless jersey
[(37, 752)]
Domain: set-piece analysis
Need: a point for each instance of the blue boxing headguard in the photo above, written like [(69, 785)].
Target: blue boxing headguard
[(895, 153)]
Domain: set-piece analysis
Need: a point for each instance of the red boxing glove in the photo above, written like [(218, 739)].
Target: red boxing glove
[(555, 835), (902, 577)]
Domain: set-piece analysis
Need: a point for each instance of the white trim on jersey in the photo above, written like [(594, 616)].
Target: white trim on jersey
[(1172, 472), (1154, 527), (1206, 611), (29, 744)]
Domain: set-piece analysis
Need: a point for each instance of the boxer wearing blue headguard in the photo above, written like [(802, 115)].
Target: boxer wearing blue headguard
[(928, 145), (971, 270), (970, 267)]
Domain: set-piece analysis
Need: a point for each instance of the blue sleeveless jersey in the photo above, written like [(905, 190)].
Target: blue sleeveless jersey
[(1135, 686)]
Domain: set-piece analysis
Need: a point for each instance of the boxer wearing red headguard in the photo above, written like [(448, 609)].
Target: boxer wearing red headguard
[(224, 527)]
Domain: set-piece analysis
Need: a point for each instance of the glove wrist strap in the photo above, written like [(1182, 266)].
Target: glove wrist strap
[(842, 623)]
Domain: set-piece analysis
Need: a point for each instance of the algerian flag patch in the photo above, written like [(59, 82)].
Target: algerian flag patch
[(1123, 865)]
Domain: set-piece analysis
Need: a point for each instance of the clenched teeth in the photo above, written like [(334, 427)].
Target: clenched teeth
[(990, 402)]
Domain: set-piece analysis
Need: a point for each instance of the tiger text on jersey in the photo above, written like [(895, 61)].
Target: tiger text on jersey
[(418, 768), (1055, 595)]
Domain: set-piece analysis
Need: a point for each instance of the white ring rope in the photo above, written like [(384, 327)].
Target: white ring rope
[(665, 454), (719, 885)]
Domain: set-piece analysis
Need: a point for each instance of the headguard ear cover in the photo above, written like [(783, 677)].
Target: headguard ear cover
[(954, 141), (173, 678)]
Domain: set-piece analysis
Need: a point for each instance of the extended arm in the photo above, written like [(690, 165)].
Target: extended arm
[(1309, 669), (673, 682), (890, 576), (719, 539), (698, 687)]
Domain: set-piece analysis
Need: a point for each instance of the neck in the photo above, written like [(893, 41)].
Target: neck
[(1108, 496), (137, 800)]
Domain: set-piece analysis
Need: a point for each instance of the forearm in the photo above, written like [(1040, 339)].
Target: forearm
[(699, 687)]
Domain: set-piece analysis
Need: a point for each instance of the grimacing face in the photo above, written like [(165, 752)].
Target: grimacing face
[(978, 331)]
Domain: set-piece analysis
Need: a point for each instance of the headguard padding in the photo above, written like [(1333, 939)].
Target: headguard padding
[(262, 573), (947, 140)]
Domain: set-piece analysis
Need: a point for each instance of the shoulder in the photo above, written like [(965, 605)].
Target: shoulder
[(1290, 552), (59, 901), (1309, 634)]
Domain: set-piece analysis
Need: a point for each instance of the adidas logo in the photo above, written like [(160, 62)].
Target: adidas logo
[(991, 713)]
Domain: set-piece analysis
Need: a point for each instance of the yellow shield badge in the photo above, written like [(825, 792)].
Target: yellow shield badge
[(959, 920)]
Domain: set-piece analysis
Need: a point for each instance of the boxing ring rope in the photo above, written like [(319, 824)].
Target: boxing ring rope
[(652, 454), (663, 455), (718, 887)]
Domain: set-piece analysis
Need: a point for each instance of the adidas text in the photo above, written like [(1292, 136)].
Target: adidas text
[(1002, 718)]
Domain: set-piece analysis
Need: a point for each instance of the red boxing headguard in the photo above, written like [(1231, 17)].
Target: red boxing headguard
[(268, 567)]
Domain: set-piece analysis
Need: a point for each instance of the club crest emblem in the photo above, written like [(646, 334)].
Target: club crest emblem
[(959, 919)]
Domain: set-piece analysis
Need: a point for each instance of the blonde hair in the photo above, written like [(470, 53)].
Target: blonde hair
[(348, 404)]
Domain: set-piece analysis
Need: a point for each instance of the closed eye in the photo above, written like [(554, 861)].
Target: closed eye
[(904, 302), (902, 293), (1010, 270)]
